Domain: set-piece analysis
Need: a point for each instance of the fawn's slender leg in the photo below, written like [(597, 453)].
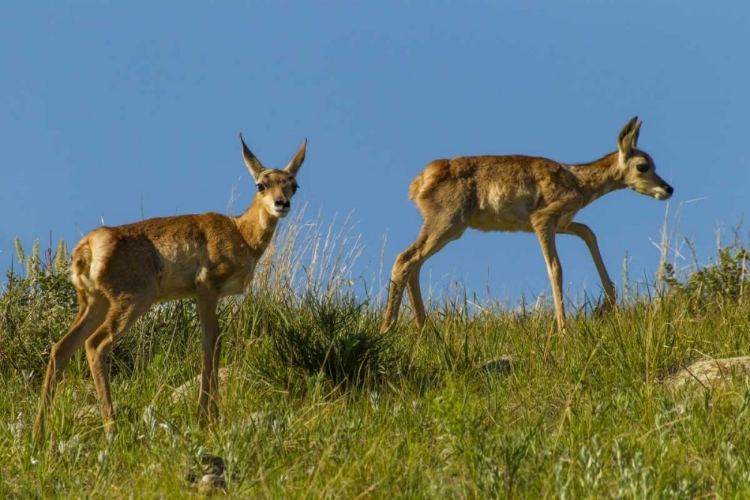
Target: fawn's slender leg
[(588, 236), (432, 238), (545, 231), (207, 407), (91, 314), (120, 318), (415, 296)]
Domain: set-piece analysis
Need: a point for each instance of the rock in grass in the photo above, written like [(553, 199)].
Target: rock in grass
[(708, 373), (87, 412), (259, 419), (499, 366), (211, 473), (211, 483), (93, 411), (181, 392)]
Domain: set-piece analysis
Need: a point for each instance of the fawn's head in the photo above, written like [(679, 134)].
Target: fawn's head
[(637, 167), (275, 187)]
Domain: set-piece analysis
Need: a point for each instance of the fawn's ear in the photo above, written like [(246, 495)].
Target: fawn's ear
[(628, 138), (253, 164), (295, 163)]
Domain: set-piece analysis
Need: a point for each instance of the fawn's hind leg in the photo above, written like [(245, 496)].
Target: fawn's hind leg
[(433, 236), (91, 314)]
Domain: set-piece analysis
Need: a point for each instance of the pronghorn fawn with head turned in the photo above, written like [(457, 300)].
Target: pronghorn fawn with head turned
[(119, 272), (517, 193)]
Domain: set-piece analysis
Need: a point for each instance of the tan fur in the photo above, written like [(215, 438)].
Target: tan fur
[(119, 272), (516, 193)]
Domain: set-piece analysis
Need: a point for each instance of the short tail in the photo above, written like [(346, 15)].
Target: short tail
[(416, 186), (81, 259), (80, 269)]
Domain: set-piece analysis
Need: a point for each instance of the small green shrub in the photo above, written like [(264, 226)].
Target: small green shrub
[(725, 279), (329, 336), (36, 307)]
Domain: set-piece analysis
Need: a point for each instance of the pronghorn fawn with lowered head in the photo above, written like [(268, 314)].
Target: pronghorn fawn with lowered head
[(517, 193), (119, 272)]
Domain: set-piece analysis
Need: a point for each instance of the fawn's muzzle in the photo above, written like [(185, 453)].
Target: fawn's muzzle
[(281, 204)]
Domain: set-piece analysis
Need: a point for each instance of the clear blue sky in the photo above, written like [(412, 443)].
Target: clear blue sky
[(124, 110)]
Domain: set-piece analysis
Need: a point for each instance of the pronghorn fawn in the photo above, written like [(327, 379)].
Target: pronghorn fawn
[(119, 272), (517, 193)]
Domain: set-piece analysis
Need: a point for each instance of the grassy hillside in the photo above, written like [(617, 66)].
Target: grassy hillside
[(318, 404)]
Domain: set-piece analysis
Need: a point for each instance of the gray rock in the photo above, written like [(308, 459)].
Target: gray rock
[(211, 483), (709, 373), (499, 366), (87, 412), (182, 391), (210, 470), (259, 418), (93, 411)]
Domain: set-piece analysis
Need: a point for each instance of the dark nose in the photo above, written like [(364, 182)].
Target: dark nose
[(669, 189), (282, 203)]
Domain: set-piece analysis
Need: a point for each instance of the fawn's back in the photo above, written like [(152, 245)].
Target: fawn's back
[(495, 193)]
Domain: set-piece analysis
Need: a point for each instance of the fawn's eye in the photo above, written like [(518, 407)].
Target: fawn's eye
[(295, 187), (260, 187), (643, 167)]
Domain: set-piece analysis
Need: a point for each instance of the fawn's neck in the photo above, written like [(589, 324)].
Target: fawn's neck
[(257, 226), (599, 177)]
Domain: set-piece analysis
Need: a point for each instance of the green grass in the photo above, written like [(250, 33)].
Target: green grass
[(322, 405)]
